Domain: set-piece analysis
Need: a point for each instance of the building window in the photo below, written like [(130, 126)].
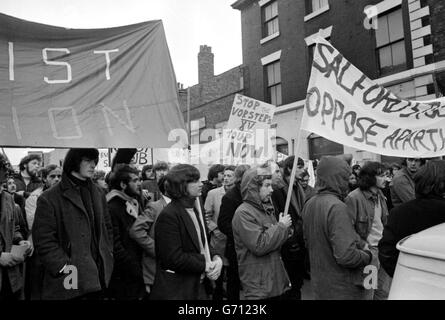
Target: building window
[(273, 75), (390, 43), (219, 127), (270, 18), (196, 126), (405, 90), (319, 146), (318, 4)]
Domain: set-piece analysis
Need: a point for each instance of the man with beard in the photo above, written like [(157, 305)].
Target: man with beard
[(27, 180), (258, 239), (127, 282), (72, 229)]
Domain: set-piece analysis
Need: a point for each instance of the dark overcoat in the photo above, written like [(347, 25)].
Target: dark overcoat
[(62, 236), (180, 263)]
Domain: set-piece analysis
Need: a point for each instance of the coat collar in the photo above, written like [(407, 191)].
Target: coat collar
[(189, 225), (71, 192), (369, 195)]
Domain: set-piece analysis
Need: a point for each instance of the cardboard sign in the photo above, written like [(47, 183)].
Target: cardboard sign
[(248, 137), (142, 157)]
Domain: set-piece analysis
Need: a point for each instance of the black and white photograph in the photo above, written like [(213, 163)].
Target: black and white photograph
[(222, 155)]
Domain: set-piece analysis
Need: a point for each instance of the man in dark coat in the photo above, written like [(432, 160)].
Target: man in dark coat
[(126, 281), (215, 178), (402, 185), (229, 203), (427, 210), (337, 256), (11, 267), (293, 251), (73, 234), (28, 181)]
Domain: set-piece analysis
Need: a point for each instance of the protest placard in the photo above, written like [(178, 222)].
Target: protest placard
[(345, 106), (142, 157), (248, 137)]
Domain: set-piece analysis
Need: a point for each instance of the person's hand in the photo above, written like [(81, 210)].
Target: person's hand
[(20, 193), (210, 265), (7, 259), (286, 220), (30, 249), (147, 196), (214, 273)]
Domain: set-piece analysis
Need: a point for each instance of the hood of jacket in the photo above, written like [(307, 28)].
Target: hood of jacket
[(333, 176), (251, 184)]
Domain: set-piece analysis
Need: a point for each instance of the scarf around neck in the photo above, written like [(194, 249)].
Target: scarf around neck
[(132, 205)]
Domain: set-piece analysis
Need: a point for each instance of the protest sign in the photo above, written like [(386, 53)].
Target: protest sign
[(247, 137), (62, 87), (142, 157), (345, 106)]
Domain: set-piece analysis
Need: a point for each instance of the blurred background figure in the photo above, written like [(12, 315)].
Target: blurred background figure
[(402, 188), (214, 180), (99, 179), (352, 182), (151, 181), (304, 182), (427, 210), (356, 169), (51, 175)]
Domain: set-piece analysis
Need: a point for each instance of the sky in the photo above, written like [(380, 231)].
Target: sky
[(187, 23)]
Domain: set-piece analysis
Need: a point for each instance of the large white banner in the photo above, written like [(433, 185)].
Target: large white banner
[(345, 106)]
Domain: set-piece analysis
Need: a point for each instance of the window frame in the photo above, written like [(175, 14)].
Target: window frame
[(272, 19), (320, 5), (269, 87), (384, 71)]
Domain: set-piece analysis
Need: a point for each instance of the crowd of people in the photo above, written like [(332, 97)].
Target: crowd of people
[(160, 233)]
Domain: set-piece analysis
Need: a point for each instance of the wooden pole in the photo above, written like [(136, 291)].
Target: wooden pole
[(292, 176)]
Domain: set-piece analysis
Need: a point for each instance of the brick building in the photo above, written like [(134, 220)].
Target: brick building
[(212, 98), (406, 54)]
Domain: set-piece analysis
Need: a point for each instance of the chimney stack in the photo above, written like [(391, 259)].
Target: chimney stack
[(205, 64)]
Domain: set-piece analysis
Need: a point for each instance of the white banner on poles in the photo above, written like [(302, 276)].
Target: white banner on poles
[(345, 106)]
